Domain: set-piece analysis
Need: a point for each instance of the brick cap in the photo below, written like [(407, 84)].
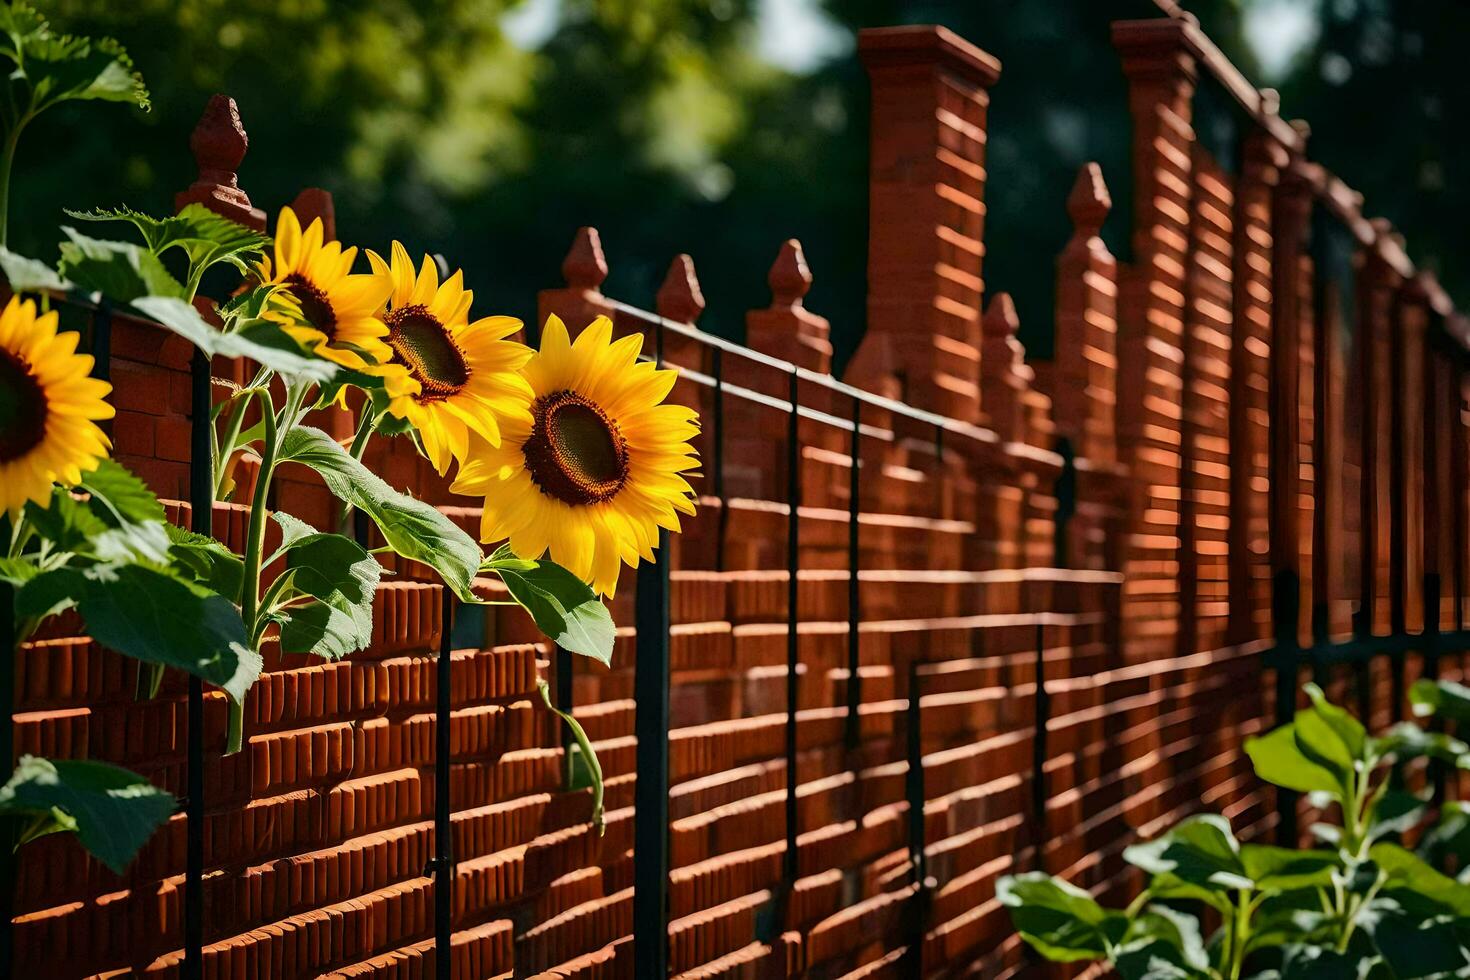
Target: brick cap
[(789, 277), (1089, 203), (680, 299), (585, 267), (926, 44)]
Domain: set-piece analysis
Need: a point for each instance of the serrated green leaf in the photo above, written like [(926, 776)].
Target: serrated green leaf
[(342, 577), (412, 528), (113, 811), (27, 275), (264, 346), (153, 616), (564, 607), (205, 237), (48, 67), (121, 271), (211, 563)]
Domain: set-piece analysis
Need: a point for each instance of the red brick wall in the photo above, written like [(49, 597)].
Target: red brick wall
[(1217, 442)]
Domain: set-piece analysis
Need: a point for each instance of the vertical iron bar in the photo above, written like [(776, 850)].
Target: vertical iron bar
[(1066, 494), (8, 644), (201, 505), (443, 762), (1286, 605), (651, 791), (717, 437), (1433, 609), (793, 621), (914, 794), (651, 625), (1039, 749), (853, 731)]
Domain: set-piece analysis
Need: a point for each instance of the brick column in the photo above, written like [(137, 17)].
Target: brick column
[(927, 209), (1378, 281), (1086, 384), (1161, 73), (1411, 323), (1291, 541)]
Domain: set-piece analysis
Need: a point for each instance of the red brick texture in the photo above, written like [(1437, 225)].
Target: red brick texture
[(1230, 419)]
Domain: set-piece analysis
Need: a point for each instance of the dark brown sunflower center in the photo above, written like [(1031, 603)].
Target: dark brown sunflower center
[(316, 309), (575, 453), (422, 344), (23, 408)]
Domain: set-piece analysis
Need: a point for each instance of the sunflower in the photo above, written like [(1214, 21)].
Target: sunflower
[(447, 376), (596, 469), (49, 404), (320, 303)]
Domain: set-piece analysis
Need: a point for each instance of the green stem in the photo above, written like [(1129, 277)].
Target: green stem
[(1241, 927), (584, 744), (7, 161), (367, 424)]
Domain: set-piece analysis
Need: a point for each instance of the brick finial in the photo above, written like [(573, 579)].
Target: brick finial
[(1001, 319), (219, 144), (787, 329), (1089, 203), (585, 267), (313, 203), (790, 279), (680, 298), (1005, 377)]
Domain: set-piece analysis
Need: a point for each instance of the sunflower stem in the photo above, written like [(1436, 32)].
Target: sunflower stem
[(7, 161), (235, 730), (367, 424)]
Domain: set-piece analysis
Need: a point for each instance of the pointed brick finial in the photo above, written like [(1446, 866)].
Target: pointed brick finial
[(680, 298), (1001, 319), (789, 276), (1089, 203), (219, 144), (313, 203), (585, 267)]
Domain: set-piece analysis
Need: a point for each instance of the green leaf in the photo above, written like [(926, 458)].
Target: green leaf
[(205, 237), (1279, 869), (1278, 760), (1162, 944), (342, 578), (269, 348), (155, 617), (589, 772), (564, 607), (1446, 699), (49, 68), (126, 496), (1396, 812), (211, 563), (1347, 730), (1407, 740), (113, 811), (412, 528), (1200, 851), (17, 571), (121, 271), (1059, 920), (1413, 883), (27, 275), (1318, 963), (1416, 949)]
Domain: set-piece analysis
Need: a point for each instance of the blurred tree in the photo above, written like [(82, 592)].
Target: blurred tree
[(659, 122)]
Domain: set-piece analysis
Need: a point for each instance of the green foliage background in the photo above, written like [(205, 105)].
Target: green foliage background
[(658, 122)]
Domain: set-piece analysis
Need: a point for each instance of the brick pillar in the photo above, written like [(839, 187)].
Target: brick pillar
[(1291, 542), (1086, 383), (1411, 323), (787, 329), (1161, 73), (927, 209), (1378, 281)]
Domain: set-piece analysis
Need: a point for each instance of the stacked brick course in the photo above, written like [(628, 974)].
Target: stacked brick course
[(1071, 573)]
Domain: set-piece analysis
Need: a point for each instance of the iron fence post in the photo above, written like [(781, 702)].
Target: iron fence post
[(1286, 606), (853, 730), (1039, 751), (443, 762), (914, 794), (201, 521), (651, 791)]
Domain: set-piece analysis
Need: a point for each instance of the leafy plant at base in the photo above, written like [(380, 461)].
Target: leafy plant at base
[(1357, 905)]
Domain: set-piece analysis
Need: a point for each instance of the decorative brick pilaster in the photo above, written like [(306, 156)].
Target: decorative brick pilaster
[(1086, 385), (787, 329), (1161, 74), (1410, 329), (219, 144), (927, 209), (1379, 279)]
